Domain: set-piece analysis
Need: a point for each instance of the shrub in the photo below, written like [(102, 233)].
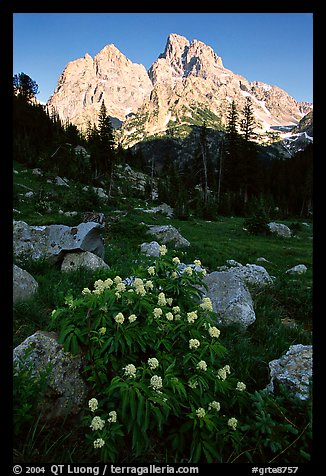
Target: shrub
[(155, 365)]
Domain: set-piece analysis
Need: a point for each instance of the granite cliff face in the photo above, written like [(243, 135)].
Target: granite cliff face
[(186, 85)]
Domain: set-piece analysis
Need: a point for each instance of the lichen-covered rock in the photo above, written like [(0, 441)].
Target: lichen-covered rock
[(298, 269), (252, 274), (24, 285), (168, 234), (83, 259), (150, 249), (280, 229), (230, 298), (294, 370), (66, 391), (54, 240)]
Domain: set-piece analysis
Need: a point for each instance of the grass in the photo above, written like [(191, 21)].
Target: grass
[(213, 242)]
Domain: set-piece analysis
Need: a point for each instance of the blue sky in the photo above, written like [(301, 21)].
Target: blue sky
[(276, 48)]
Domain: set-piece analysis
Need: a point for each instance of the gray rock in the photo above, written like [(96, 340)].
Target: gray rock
[(24, 285), (261, 259), (83, 259), (61, 182), (230, 298), (150, 249), (54, 240), (66, 392), (298, 269), (294, 370), (233, 263), (168, 234), (280, 230), (252, 274)]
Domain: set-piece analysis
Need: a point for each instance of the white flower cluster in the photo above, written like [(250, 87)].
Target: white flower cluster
[(156, 382), (151, 270), (214, 405), (206, 305), (100, 286), (232, 422), (112, 416), (214, 331), (139, 287), (241, 386), (161, 301), (132, 318), (169, 316), (102, 331), (194, 343), (197, 262), (188, 270), (163, 250), (130, 370), (153, 363), (99, 443), (192, 384), (119, 318), (192, 316), (93, 404), (200, 412), (223, 372), (176, 260), (97, 423), (157, 312), (202, 365)]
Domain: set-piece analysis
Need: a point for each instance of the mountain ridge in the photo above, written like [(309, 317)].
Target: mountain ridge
[(186, 84)]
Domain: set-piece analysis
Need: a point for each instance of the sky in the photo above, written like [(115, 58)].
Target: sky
[(275, 48)]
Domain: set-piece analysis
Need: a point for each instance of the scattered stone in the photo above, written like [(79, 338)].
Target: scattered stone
[(262, 260), (37, 171), (83, 259), (28, 194), (280, 230), (168, 234), (54, 240), (24, 285), (298, 269), (66, 392), (294, 370), (150, 249), (230, 298), (233, 263), (252, 274)]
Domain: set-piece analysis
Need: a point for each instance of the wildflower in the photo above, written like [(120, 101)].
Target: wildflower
[(200, 412), (232, 422), (214, 332), (113, 416), (139, 287), (194, 343), (174, 275), (149, 285), (132, 318), (169, 316), (97, 423), (85, 291), (93, 404), (121, 287), (130, 370), (157, 312), (69, 301), (221, 373), (188, 270), (215, 405), (108, 283), (156, 382), (227, 369), (151, 270), (176, 309), (153, 363), (102, 331), (119, 318), (191, 317), (99, 443), (203, 272), (176, 260), (161, 299), (241, 386), (197, 262), (169, 301), (206, 305), (117, 280), (202, 365), (193, 384), (163, 250)]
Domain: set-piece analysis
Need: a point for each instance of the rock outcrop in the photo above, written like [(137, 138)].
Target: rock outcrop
[(168, 234), (24, 285)]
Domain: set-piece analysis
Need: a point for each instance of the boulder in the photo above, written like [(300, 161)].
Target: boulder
[(83, 259), (150, 249), (24, 285), (230, 298), (54, 240), (252, 274), (294, 370), (66, 391), (298, 269), (280, 230), (168, 234)]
